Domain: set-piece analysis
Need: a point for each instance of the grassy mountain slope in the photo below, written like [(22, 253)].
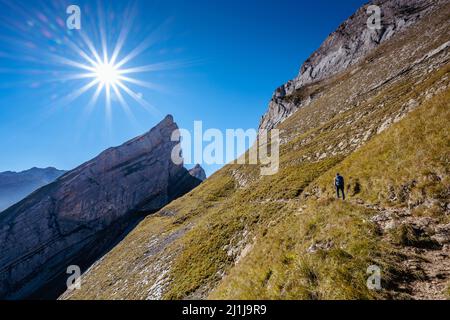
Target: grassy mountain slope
[(284, 263), (383, 124)]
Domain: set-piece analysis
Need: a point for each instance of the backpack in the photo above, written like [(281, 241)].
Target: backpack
[(339, 181)]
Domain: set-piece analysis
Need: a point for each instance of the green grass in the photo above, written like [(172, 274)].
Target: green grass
[(280, 267), (205, 252), (407, 165), (278, 218)]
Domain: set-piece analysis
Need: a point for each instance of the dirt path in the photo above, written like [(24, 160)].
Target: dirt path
[(429, 260), (436, 267)]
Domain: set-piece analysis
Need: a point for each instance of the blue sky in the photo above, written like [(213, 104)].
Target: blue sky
[(222, 61)]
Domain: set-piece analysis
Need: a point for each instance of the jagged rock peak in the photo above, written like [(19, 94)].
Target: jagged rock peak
[(353, 39), (198, 172), (345, 47), (76, 218)]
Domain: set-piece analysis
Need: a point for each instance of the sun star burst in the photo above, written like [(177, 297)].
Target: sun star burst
[(110, 77), (98, 61), (106, 73)]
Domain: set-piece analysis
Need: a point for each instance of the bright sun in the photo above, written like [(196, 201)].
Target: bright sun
[(110, 75), (107, 74)]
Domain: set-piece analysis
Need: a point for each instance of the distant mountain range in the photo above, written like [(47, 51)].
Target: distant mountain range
[(14, 186)]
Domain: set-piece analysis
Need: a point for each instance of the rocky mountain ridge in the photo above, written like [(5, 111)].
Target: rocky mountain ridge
[(73, 220), (343, 48)]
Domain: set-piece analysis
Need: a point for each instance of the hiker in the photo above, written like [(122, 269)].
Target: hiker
[(339, 183)]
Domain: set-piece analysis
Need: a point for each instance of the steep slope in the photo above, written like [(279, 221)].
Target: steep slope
[(345, 47), (397, 218), (73, 220), (383, 123), (14, 186)]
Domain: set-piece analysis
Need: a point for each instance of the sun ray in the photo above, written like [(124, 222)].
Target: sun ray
[(74, 76), (83, 54), (102, 29), (126, 108), (76, 94), (143, 46), (144, 84), (155, 67), (93, 101), (91, 46), (148, 107), (120, 42), (66, 77), (120, 98), (123, 35), (69, 62), (94, 61), (108, 98)]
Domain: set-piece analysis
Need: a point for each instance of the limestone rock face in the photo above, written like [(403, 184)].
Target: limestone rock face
[(73, 220), (346, 46)]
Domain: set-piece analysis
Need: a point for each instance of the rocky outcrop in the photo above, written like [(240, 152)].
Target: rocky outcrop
[(198, 172), (345, 47), (14, 186), (73, 220)]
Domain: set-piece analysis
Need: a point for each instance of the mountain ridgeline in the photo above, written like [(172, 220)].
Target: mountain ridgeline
[(81, 215), (370, 104), (343, 48), (14, 186)]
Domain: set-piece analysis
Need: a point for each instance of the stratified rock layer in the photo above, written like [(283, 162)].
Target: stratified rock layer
[(76, 218)]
